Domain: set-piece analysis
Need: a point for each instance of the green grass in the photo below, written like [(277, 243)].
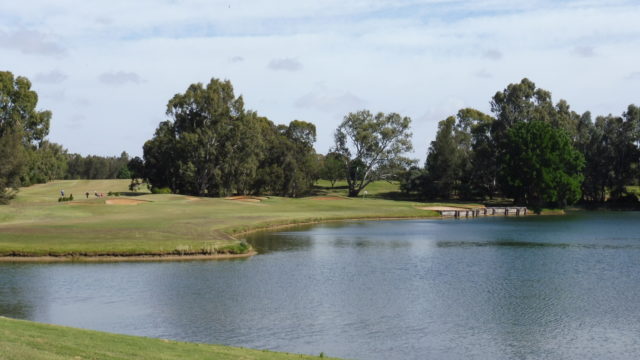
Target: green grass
[(36, 224), (28, 340), (377, 189)]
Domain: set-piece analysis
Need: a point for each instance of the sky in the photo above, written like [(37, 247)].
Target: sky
[(106, 69)]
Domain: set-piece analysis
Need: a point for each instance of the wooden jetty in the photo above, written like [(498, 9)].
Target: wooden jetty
[(487, 211)]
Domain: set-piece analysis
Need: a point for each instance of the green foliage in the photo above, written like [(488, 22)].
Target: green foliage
[(460, 162), (522, 102), (26, 157), (332, 168), (540, 166), (472, 148), (18, 110), (213, 147), (65, 198), (12, 155), (161, 190), (124, 173), (447, 160), (45, 163), (97, 167), (368, 144)]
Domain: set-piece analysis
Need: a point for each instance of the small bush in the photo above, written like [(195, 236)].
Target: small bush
[(162, 190)]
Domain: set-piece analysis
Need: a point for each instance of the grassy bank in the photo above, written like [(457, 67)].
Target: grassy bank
[(28, 340), (36, 224)]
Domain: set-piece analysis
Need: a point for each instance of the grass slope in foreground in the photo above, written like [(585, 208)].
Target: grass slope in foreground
[(21, 339), (36, 224)]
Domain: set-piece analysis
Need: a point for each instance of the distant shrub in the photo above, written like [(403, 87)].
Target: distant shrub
[(162, 190), (241, 248)]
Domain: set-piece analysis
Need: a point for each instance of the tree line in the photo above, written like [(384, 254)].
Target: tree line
[(212, 146), (27, 157), (529, 149), (533, 151)]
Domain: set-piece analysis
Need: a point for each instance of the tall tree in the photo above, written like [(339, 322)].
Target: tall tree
[(333, 168), (211, 146), (484, 166), (540, 166), (461, 161), (368, 143), (45, 163), (18, 109), (443, 161), (522, 102), (22, 131), (12, 161)]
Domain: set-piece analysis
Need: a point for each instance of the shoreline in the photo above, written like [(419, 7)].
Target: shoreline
[(314, 222), (173, 257), (123, 258), (194, 257)]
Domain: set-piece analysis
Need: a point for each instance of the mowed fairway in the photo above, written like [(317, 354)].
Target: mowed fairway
[(36, 224), (28, 340)]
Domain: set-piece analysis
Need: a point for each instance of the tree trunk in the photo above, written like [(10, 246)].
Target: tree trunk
[(354, 192)]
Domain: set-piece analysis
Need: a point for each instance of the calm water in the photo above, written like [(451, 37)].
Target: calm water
[(490, 288)]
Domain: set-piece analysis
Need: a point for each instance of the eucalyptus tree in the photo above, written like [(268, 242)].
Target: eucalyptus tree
[(521, 102), (208, 147), (368, 143), (23, 129), (540, 166), (461, 160), (333, 168), (212, 146), (18, 109), (443, 161)]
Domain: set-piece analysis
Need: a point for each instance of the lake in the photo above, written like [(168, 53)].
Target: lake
[(486, 288)]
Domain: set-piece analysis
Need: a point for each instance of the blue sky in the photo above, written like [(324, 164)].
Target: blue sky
[(106, 69)]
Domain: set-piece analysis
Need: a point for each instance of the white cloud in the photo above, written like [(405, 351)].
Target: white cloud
[(484, 74), (330, 101), (584, 51), (633, 76), (51, 77), (30, 42), (119, 78), (286, 64), (492, 54)]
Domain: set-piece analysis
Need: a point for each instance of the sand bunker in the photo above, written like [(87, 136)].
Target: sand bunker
[(327, 198), (124, 202), (246, 198)]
